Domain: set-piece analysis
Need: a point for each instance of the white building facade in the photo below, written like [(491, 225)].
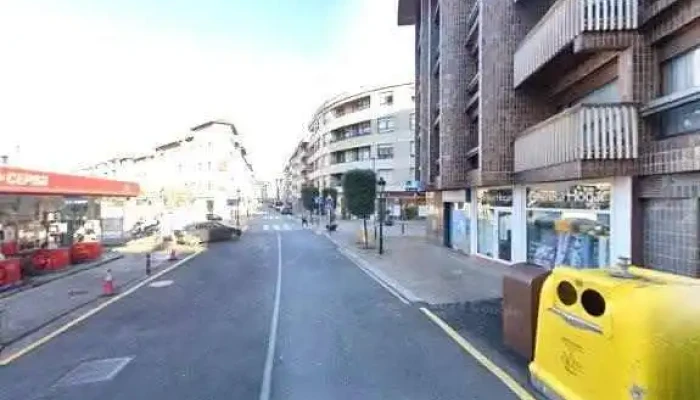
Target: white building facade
[(368, 129), (203, 172)]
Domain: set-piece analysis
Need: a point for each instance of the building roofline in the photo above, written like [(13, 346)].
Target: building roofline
[(215, 122), (348, 95)]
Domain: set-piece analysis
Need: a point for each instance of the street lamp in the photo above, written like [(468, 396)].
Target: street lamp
[(381, 184), (238, 207)]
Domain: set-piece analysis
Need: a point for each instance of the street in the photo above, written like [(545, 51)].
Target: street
[(221, 330)]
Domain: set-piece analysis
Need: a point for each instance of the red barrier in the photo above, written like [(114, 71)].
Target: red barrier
[(10, 271), (9, 248), (86, 251), (51, 259)]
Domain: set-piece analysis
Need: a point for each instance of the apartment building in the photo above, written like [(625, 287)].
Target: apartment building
[(367, 129), (296, 175), (562, 131), (204, 171)]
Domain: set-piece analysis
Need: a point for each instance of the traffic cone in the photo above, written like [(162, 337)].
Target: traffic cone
[(108, 284), (173, 255)]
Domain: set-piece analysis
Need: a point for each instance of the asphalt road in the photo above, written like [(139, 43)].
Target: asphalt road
[(340, 335)]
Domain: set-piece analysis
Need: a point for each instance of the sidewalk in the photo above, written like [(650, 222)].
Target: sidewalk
[(422, 271), (465, 291), (30, 310)]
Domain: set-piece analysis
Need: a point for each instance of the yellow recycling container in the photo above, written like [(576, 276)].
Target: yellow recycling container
[(618, 333)]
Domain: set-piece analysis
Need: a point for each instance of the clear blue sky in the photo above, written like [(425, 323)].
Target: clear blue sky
[(296, 26)]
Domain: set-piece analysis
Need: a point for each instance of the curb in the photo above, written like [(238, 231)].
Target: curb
[(376, 273), (4, 361), (123, 286), (29, 285)]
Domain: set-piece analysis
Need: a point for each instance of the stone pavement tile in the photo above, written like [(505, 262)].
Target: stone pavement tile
[(31, 309), (434, 274)]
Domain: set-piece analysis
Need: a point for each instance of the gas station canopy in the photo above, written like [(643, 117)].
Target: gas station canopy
[(20, 181)]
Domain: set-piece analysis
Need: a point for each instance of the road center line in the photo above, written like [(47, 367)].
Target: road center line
[(272, 341)]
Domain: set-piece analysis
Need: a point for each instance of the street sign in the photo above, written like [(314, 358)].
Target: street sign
[(413, 186)]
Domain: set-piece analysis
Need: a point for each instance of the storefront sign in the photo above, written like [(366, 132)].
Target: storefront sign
[(24, 181), (496, 197), (454, 196), (18, 178), (582, 197)]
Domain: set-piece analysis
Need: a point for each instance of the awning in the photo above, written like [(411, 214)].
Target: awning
[(24, 181)]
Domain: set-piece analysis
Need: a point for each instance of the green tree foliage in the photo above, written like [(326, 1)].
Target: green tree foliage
[(360, 192), (308, 194)]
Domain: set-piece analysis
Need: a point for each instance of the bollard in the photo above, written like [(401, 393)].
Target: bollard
[(148, 263), (403, 228)]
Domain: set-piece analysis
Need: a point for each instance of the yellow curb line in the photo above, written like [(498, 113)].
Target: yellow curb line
[(39, 342), (480, 357)]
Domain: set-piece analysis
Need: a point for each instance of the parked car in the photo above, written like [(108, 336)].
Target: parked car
[(214, 217), (286, 210), (211, 231)]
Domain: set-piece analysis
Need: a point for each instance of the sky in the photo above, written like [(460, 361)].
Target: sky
[(82, 81)]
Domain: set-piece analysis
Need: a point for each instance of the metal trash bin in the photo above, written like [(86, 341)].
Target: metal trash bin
[(617, 333), (521, 293)]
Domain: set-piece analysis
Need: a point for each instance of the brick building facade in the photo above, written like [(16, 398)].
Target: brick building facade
[(562, 131)]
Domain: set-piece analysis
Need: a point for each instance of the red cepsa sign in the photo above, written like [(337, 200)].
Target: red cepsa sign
[(24, 181)]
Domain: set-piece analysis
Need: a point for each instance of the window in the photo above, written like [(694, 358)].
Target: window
[(681, 72), (364, 153), (386, 98), (608, 93), (412, 122), (385, 124), (385, 151), (365, 128), (679, 120), (351, 155), (385, 174)]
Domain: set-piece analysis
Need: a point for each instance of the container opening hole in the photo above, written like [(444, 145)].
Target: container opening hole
[(593, 302), (566, 293)]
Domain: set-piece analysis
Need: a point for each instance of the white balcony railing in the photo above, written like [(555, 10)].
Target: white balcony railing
[(564, 21), (584, 132)]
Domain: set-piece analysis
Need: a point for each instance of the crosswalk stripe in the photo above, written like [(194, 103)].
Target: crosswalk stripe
[(266, 227), (276, 227), (286, 227)]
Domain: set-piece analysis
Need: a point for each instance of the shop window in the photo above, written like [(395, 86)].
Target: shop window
[(494, 227), (569, 225)]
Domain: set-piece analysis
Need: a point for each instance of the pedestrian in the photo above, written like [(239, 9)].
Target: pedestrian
[(304, 222)]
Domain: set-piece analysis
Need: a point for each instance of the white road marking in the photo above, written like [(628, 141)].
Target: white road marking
[(266, 227), (265, 389), (286, 227), (160, 284)]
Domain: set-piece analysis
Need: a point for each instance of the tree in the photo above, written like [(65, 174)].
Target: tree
[(360, 191), (308, 197)]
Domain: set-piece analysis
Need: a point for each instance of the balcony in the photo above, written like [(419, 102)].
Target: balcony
[(565, 21), (584, 132)]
